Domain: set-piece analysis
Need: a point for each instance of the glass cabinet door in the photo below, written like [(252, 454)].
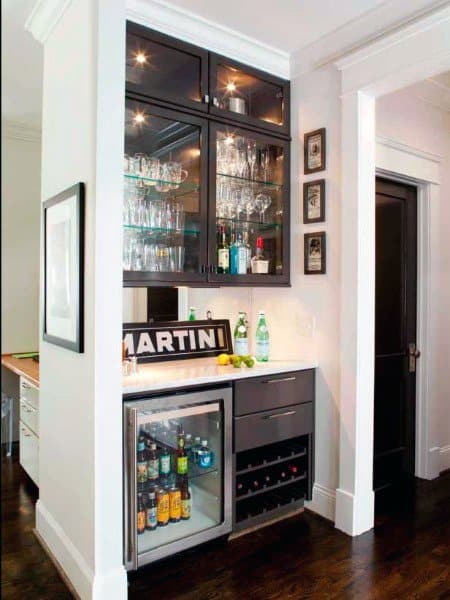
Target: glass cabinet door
[(249, 204), (248, 95), (164, 195), (164, 68)]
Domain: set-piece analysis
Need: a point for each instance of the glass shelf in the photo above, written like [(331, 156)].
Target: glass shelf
[(254, 182), (144, 228), (256, 224), (184, 186)]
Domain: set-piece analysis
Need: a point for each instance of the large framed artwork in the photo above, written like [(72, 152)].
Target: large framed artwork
[(63, 289)]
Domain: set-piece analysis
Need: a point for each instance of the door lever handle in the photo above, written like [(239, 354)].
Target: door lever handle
[(413, 355)]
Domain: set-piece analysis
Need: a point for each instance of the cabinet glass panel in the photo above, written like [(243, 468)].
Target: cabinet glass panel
[(162, 179), (245, 94), (179, 473), (249, 204), (162, 71)]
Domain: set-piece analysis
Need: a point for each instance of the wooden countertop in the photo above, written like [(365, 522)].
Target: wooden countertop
[(27, 367)]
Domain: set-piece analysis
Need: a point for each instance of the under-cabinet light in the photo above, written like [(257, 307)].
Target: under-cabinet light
[(231, 86), (140, 58), (139, 118)]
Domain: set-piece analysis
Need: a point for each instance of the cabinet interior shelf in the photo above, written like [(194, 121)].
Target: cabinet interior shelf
[(253, 182), (184, 186), (270, 488), (271, 463), (257, 224), (164, 230)]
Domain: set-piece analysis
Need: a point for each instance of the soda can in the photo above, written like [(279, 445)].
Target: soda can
[(175, 504), (162, 507)]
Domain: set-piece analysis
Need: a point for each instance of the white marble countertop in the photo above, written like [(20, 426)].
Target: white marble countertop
[(200, 371)]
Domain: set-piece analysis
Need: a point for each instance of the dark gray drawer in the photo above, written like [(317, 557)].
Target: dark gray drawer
[(252, 431), (273, 391)]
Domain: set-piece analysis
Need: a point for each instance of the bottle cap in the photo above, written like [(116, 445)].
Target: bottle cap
[(260, 242), (261, 312), (192, 308), (188, 436), (153, 446), (204, 442)]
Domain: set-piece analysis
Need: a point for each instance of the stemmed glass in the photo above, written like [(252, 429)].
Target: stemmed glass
[(248, 201), (262, 203), (251, 157)]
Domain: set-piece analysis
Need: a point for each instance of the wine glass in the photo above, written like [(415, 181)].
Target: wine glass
[(251, 157), (262, 203), (248, 200)]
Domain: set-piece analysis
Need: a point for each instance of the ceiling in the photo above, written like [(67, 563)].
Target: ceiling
[(22, 62)]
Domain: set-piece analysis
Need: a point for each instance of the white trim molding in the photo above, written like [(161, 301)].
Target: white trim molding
[(197, 30), (444, 454), (20, 131), (323, 501), (44, 17)]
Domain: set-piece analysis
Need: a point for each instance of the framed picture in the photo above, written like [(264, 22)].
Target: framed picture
[(315, 253), (63, 290), (314, 151), (314, 201)]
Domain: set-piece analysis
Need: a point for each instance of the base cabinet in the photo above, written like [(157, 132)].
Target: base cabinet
[(29, 452), (29, 429)]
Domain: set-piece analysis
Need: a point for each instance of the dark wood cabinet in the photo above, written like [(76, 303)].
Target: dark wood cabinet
[(206, 161)]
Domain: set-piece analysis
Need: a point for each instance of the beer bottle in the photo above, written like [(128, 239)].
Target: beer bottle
[(182, 460), (185, 500), (141, 460), (151, 520), (164, 462), (152, 463), (141, 515)]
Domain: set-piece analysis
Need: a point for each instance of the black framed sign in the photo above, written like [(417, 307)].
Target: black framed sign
[(315, 151), (177, 340), (63, 289), (315, 253), (314, 201)]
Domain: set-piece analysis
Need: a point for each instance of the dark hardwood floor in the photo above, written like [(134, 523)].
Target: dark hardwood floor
[(407, 555)]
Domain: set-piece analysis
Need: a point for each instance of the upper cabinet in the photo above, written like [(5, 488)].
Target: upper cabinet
[(206, 169), (248, 95), (162, 68)]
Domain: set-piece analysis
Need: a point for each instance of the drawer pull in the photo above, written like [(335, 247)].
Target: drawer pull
[(26, 385), (277, 416), (280, 380), (25, 433)]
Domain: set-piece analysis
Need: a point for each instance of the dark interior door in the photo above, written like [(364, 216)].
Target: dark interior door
[(395, 338)]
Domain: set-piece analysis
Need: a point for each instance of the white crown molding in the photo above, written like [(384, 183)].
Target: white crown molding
[(371, 26), (44, 16), (16, 130), (396, 145), (192, 28)]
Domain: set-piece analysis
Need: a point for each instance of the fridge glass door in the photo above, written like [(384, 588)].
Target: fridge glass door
[(179, 459)]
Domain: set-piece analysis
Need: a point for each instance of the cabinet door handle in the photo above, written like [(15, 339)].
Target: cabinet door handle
[(214, 101), (284, 379), (25, 433), (277, 416), (206, 98), (26, 385)]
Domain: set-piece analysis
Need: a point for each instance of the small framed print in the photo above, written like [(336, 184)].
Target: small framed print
[(315, 253), (315, 151), (314, 201), (63, 289)]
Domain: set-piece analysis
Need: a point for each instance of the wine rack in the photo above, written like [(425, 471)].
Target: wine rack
[(271, 481)]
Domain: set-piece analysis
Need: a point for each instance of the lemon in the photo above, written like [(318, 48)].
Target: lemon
[(223, 359)]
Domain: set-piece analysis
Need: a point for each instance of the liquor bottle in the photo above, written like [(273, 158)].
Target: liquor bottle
[(267, 480), (259, 262), (141, 515), (204, 456), (283, 475), (255, 485), (188, 445), (262, 338), (151, 520), (223, 253), (185, 500), (248, 251), (240, 488), (293, 469), (141, 460), (152, 463), (164, 462), (191, 314), (241, 336), (234, 255), (182, 461), (195, 448)]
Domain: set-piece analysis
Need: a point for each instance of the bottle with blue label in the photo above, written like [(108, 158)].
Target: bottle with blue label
[(262, 339), (151, 520), (241, 336), (205, 456)]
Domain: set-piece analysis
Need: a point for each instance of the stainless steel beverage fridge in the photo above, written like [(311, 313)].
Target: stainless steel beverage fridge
[(177, 472)]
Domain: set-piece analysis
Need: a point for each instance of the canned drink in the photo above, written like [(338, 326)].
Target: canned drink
[(162, 508), (175, 504)]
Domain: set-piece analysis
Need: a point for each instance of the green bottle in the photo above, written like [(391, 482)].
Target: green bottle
[(262, 338), (191, 314), (241, 336)]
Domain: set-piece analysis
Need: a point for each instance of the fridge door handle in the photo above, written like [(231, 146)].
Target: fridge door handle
[(165, 415)]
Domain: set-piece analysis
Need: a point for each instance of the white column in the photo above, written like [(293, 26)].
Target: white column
[(354, 497)]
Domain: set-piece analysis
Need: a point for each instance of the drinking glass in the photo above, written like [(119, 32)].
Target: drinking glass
[(176, 258), (162, 258), (150, 255), (175, 174), (139, 163), (152, 170), (163, 184), (136, 252), (251, 157), (262, 203)]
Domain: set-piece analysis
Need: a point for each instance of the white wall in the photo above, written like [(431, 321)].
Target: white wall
[(407, 119), (307, 314), (79, 512), (21, 166)]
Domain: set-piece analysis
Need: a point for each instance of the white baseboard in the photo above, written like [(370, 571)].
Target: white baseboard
[(444, 458), (354, 515), (65, 554), (323, 502)]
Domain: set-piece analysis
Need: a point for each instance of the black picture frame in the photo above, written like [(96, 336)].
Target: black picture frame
[(74, 273), (308, 188), (310, 267), (310, 159)]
